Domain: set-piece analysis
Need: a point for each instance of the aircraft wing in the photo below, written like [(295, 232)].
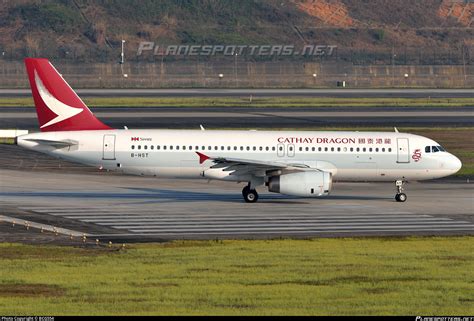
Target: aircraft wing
[(243, 166)]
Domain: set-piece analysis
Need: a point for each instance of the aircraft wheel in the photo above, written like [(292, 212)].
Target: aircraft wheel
[(401, 197), (251, 196)]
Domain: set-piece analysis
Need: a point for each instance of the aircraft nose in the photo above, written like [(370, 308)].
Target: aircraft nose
[(454, 163)]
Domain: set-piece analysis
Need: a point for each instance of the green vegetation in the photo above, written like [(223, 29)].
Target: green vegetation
[(378, 34), (7, 140), (255, 102), (55, 16), (402, 276)]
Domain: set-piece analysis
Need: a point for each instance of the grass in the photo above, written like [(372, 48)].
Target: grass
[(363, 276), (256, 102)]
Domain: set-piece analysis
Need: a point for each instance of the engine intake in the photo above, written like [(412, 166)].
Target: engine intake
[(307, 184)]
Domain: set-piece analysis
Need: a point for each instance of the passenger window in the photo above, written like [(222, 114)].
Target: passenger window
[(313, 149), (209, 147), (184, 147), (266, 148), (228, 147), (428, 149), (260, 148), (133, 146), (389, 150), (345, 149), (171, 147), (248, 147), (370, 149), (191, 147), (377, 150), (197, 147), (273, 148), (352, 149), (235, 147), (157, 147), (164, 147), (332, 149), (241, 147), (222, 147), (357, 149), (339, 149), (254, 148), (139, 146), (216, 147), (301, 149), (177, 147), (326, 149), (152, 147), (363, 149), (280, 148)]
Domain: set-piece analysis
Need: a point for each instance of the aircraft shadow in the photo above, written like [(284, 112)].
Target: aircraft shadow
[(151, 195)]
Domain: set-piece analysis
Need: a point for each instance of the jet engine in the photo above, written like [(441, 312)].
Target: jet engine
[(306, 184)]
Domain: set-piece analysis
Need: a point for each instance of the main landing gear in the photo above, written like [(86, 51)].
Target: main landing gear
[(400, 197), (250, 195)]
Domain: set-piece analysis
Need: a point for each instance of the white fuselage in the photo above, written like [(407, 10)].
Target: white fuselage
[(349, 156)]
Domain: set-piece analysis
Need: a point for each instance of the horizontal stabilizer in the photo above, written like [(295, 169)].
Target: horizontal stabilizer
[(53, 143)]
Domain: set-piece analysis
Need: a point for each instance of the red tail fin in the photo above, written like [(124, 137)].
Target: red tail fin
[(57, 105)]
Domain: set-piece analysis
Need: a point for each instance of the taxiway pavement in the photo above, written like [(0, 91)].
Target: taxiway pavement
[(122, 208)]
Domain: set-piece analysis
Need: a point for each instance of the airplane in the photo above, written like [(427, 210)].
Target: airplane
[(296, 163)]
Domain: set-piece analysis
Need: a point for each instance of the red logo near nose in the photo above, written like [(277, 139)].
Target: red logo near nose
[(416, 155)]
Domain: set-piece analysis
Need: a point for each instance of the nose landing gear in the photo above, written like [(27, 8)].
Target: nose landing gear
[(400, 196)]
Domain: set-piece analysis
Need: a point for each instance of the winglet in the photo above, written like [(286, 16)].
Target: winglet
[(202, 157)]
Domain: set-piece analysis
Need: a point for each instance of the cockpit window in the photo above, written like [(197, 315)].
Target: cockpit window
[(434, 149)]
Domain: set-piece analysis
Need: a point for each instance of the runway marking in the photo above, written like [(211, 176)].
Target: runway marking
[(286, 227), (289, 230), (289, 220), (152, 221), (229, 216)]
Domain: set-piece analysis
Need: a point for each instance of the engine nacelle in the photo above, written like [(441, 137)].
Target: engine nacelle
[(306, 184)]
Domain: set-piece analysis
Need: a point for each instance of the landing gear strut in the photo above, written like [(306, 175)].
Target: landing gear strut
[(400, 196), (250, 195)]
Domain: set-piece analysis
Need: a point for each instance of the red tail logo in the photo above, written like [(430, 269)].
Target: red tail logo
[(57, 105)]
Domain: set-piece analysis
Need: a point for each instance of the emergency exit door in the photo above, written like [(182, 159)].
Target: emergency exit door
[(109, 147), (403, 150)]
